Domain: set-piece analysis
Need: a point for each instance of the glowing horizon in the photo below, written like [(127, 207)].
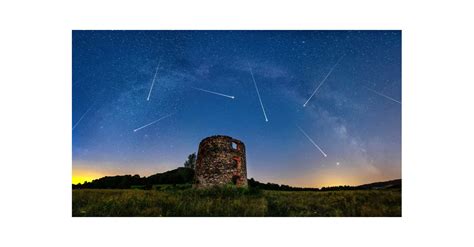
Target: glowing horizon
[(325, 179)]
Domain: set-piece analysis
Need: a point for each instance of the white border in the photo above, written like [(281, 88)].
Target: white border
[(35, 90)]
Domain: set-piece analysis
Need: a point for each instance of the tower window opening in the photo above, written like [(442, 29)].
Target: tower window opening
[(235, 179)]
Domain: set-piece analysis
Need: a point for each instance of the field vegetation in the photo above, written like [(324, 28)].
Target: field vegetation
[(182, 200)]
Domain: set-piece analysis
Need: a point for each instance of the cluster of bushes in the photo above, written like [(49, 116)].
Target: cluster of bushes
[(271, 186)]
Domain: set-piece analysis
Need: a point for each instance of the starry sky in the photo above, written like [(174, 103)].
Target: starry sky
[(348, 133)]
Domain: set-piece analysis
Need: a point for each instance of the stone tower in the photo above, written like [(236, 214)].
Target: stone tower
[(220, 161)]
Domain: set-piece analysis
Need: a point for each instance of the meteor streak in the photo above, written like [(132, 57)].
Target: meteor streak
[(258, 93), (156, 121), (320, 84), (216, 93), (383, 95), (73, 127), (153, 82), (311, 140)]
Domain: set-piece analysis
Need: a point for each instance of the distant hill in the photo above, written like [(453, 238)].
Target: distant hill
[(180, 175), (392, 184), (184, 175)]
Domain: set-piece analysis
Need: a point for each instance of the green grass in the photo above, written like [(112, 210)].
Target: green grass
[(229, 201)]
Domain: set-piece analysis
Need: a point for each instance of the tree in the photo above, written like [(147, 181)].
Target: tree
[(191, 162)]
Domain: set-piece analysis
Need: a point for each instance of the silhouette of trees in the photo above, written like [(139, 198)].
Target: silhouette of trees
[(191, 162), (176, 176), (271, 186)]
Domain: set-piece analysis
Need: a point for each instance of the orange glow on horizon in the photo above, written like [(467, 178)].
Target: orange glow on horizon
[(336, 176), (316, 178), (83, 171), (83, 176)]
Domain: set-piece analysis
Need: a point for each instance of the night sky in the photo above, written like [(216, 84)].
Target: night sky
[(354, 115)]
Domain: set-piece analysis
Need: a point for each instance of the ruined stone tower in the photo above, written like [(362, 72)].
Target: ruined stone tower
[(220, 161)]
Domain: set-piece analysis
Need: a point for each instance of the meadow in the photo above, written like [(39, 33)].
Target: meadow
[(231, 201)]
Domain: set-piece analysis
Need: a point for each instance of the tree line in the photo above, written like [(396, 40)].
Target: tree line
[(180, 175), (185, 175)]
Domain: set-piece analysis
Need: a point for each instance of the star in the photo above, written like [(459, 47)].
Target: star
[(202, 80)]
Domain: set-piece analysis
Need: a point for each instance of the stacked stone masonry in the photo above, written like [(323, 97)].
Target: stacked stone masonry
[(221, 161)]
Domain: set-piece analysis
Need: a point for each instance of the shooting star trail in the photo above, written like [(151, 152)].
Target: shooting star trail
[(83, 115), (156, 121), (258, 93), (383, 95), (326, 77), (216, 93), (153, 82), (311, 140)]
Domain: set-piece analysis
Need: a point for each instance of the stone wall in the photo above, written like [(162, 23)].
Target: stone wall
[(221, 160)]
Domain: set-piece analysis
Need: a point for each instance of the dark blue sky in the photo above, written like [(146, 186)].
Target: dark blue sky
[(354, 116)]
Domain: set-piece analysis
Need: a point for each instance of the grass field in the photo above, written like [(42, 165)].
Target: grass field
[(234, 202)]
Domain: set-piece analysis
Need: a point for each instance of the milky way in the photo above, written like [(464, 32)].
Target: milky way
[(138, 77)]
